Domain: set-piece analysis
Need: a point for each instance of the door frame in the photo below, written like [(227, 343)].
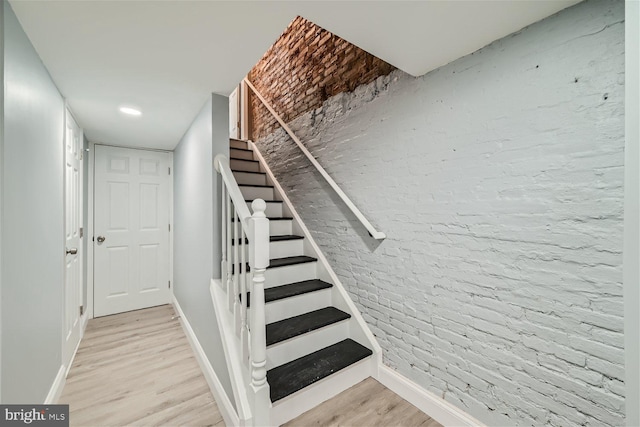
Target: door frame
[(91, 219), (83, 318)]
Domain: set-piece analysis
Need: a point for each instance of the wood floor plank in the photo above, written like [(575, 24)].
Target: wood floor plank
[(137, 368), (367, 403)]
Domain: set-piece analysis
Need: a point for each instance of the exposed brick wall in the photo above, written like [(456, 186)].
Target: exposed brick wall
[(304, 67), (498, 180)]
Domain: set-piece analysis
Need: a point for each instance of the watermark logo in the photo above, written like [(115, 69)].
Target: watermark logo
[(34, 415)]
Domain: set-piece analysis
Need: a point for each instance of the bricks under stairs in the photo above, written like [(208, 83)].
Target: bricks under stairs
[(314, 346)]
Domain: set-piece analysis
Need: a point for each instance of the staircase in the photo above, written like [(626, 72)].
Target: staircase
[(317, 343)]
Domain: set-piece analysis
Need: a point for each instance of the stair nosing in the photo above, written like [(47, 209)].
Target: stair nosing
[(260, 173), (244, 160), (266, 201), (241, 149), (256, 185)]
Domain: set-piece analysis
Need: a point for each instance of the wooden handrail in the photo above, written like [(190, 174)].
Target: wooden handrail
[(372, 231)]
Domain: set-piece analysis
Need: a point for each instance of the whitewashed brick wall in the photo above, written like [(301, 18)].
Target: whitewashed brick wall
[(498, 180)]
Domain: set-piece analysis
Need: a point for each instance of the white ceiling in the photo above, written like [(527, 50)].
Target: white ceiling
[(165, 57)]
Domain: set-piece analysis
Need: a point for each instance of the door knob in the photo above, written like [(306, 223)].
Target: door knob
[(72, 251), (101, 239)]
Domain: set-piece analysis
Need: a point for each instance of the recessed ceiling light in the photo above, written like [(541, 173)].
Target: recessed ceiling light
[(130, 111)]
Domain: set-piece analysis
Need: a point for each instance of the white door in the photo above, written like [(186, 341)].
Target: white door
[(131, 229), (73, 239), (233, 114)]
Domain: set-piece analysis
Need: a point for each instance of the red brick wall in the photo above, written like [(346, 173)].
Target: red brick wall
[(303, 68)]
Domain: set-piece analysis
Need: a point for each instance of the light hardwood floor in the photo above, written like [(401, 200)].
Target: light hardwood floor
[(366, 404), (135, 369)]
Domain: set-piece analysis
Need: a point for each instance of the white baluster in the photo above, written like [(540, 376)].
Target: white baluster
[(237, 271), (223, 263), (244, 332), (259, 261), (229, 285)]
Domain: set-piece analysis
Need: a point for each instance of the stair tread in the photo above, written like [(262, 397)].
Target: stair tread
[(255, 185), (241, 149), (244, 160), (295, 375), (290, 260), (281, 262), (279, 218), (294, 326), (283, 238), (240, 171), (266, 201), (290, 290)]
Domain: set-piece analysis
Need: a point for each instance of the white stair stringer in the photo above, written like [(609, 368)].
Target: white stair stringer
[(354, 328)]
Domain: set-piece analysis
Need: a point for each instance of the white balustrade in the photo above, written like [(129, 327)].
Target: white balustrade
[(244, 233)]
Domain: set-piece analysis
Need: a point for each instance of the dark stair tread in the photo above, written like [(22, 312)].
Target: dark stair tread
[(255, 185), (266, 201), (244, 160), (290, 290), (241, 149), (280, 218), (282, 238), (290, 260), (259, 173), (307, 322), (283, 262), (294, 376)]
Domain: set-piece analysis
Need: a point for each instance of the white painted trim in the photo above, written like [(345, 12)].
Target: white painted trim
[(91, 224), (437, 408), (90, 227), (224, 404), (631, 251), (352, 309), (56, 388)]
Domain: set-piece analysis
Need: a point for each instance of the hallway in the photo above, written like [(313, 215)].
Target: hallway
[(137, 368)]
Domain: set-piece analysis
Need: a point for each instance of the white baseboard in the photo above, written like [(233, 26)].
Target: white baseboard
[(224, 404), (56, 388), (437, 408)]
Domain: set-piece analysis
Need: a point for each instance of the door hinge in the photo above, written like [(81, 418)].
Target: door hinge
[(169, 227), (81, 310), (169, 171), (81, 232), (169, 284)]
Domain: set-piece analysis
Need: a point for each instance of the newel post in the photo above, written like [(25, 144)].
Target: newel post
[(259, 261)]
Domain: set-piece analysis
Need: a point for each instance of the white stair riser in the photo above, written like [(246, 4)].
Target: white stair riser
[(233, 143), (244, 165), (273, 210), (291, 349), (295, 306), (286, 248), (290, 274), (280, 228), (241, 154), (250, 178), (300, 402), (282, 249), (251, 193)]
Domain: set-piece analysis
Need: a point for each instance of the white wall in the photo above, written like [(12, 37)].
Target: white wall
[(32, 221), (196, 226), (1, 170), (498, 180), (632, 211)]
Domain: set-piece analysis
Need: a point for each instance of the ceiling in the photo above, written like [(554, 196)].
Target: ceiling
[(165, 57)]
